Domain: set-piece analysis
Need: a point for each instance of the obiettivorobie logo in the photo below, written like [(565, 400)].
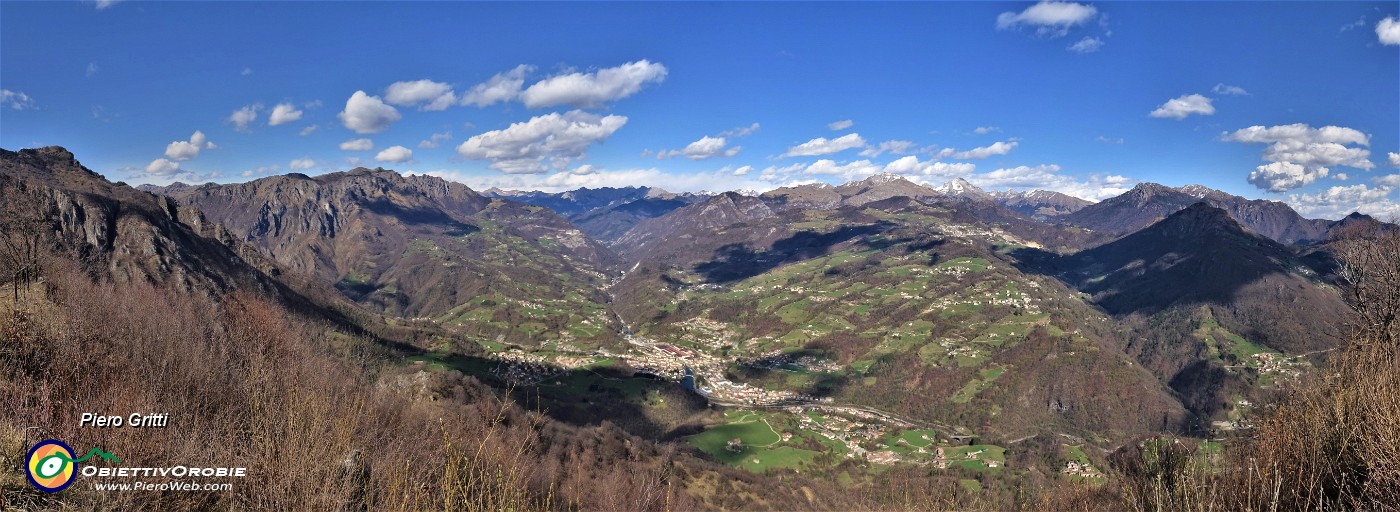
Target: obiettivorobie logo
[(51, 466)]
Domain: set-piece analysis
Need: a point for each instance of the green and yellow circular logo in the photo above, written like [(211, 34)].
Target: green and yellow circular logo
[(50, 466)]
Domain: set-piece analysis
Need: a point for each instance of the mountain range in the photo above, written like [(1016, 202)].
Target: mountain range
[(1001, 315)]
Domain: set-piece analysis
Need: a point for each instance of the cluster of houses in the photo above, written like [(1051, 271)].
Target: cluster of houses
[(1083, 469), (523, 368)]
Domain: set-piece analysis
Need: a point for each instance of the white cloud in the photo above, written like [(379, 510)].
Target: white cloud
[(301, 164), (247, 72), (16, 100), (1394, 159), (742, 171), (501, 87), (1181, 107), (1107, 140), (162, 168), (92, 69), (1086, 45), (1229, 90), (435, 140), (1283, 176), (433, 95), (983, 130), (245, 116), (357, 145), (283, 113), (1388, 31), (1052, 19), (1341, 176), (266, 170), (181, 150), (897, 147), (997, 148), (308, 130), (823, 146), (718, 180), (1300, 154), (742, 131), (840, 125), (365, 114), (1048, 177), (104, 4), (544, 142), (394, 154), (706, 147), (911, 165), (592, 90), (1340, 201), (848, 170)]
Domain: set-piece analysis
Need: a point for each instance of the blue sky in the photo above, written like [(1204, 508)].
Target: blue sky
[(1291, 101)]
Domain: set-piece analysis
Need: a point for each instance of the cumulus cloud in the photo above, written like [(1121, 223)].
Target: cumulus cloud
[(897, 147), (1388, 31), (997, 148), (365, 114), (1048, 177), (1394, 159), (721, 179), (1048, 18), (500, 88), (592, 90), (823, 146), (1180, 107), (308, 130), (432, 95), (742, 131), (301, 164), (1229, 90), (394, 154), (16, 100), (357, 145), (435, 140), (1299, 154), (182, 150), (244, 116), (1086, 45), (840, 125), (162, 168), (550, 141), (983, 130), (706, 147), (283, 113), (1340, 201)]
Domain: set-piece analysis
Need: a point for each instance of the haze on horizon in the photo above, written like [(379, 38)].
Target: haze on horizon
[(1296, 102)]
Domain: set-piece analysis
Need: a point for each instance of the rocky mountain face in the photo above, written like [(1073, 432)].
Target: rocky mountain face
[(1149, 202), (117, 232), (422, 247)]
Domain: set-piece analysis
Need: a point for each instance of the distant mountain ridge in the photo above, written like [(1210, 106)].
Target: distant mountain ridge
[(1148, 202), (606, 213)]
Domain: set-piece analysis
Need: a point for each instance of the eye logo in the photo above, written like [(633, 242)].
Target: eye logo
[(50, 466)]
